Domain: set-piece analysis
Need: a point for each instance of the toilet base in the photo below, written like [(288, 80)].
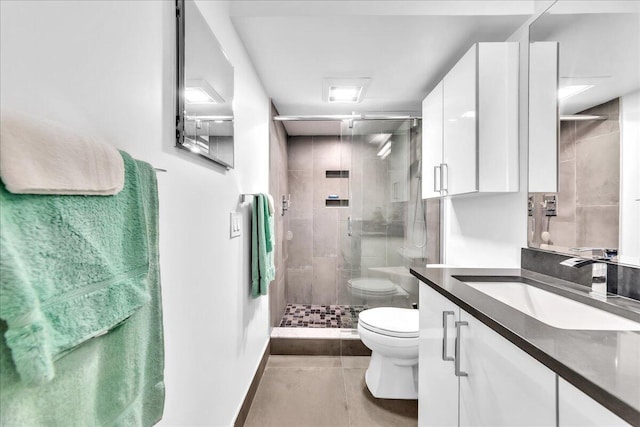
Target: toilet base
[(392, 378)]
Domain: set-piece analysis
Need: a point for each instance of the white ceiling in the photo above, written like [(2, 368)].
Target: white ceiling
[(405, 47)]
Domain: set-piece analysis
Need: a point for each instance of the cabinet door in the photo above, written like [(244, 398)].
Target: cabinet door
[(576, 409), (460, 127), (432, 143), (504, 386), (437, 386)]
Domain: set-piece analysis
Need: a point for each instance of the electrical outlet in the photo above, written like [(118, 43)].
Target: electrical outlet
[(235, 224)]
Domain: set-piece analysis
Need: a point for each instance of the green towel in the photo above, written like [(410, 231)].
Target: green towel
[(71, 268), (113, 380), (263, 270)]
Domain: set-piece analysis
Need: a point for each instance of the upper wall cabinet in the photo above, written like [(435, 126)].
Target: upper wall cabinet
[(470, 121)]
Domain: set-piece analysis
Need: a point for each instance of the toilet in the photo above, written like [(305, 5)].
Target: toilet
[(392, 335)]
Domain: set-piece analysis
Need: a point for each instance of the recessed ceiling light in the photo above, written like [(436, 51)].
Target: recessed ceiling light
[(201, 92), (344, 93), (569, 91), (344, 89)]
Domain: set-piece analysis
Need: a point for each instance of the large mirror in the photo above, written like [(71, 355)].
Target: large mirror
[(204, 122), (597, 201)]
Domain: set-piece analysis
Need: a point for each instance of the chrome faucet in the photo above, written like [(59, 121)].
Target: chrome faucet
[(598, 274)]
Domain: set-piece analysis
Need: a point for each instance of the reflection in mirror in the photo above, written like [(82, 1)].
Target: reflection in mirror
[(205, 88), (597, 205)]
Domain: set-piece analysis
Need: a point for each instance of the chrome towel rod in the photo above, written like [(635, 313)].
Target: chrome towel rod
[(159, 170), (243, 196)]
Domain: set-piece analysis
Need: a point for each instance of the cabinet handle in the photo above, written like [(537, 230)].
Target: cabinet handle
[(445, 314), (458, 372), (437, 183), (444, 173)]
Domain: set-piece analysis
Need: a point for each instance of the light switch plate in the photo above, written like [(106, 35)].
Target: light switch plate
[(235, 224)]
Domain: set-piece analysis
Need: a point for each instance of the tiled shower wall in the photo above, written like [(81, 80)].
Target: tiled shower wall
[(589, 183), (314, 229), (278, 186)]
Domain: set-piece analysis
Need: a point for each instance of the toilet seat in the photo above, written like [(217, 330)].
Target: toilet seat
[(391, 321)]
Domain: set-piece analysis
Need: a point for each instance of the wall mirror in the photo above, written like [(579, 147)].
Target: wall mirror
[(596, 114), (204, 101)]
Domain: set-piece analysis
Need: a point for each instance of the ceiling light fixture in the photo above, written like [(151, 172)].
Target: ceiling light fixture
[(344, 93), (569, 91), (349, 90)]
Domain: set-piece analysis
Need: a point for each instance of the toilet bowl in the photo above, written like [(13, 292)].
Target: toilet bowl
[(392, 335)]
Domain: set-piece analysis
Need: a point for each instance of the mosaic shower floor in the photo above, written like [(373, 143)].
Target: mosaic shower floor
[(321, 316)]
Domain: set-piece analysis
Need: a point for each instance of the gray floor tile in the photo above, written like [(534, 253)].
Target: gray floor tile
[(361, 362), (367, 411), (278, 361), (306, 397)]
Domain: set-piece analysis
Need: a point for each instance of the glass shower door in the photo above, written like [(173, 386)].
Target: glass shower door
[(378, 229)]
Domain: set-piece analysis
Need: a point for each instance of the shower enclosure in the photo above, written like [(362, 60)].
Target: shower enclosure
[(357, 222)]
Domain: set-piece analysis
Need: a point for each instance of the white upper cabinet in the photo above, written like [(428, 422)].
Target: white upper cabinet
[(460, 168), (470, 138), (432, 143)]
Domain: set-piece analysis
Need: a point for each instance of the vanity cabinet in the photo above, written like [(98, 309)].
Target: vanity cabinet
[(469, 375), (470, 125), (576, 409)]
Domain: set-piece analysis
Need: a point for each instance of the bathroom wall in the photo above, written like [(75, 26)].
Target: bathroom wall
[(589, 183), (314, 245), (278, 186), (106, 68)]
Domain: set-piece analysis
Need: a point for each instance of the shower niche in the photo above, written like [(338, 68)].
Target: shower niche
[(338, 200)]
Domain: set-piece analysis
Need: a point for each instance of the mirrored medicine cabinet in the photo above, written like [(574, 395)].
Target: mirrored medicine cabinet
[(584, 184), (204, 88)]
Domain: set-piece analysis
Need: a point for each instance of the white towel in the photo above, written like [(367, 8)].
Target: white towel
[(41, 157)]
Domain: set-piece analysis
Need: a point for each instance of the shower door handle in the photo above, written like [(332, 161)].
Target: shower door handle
[(445, 314), (456, 363), (349, 229)]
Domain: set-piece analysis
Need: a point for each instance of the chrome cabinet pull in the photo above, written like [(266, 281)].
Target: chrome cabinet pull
[(349, 226), (444, 173), (437, 183), (458, 372), (445, 314)]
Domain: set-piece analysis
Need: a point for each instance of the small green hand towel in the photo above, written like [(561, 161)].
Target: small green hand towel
[(262, 246), (71, 268)]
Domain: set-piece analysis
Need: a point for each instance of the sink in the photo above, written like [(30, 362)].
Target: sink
[(552, 309)]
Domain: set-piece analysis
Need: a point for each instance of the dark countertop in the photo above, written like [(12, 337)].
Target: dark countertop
[(603, 364)]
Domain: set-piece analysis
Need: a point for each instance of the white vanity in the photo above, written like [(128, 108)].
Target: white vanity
[(485, 363)]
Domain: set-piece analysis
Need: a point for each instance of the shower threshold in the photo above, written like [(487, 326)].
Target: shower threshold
[(336, 316)]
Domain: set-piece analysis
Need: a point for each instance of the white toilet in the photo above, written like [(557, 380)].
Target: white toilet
[(392, 335)]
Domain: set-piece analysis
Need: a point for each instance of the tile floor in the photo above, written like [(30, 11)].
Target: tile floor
[(319, 391), (321, 316)]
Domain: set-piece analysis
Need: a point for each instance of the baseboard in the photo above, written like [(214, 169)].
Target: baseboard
[(248, 399), (319, 347)]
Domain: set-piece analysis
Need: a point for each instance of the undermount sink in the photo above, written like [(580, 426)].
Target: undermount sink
[(552, 309)]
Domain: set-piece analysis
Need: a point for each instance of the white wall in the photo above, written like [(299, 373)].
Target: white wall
[(106, 68), (630, 178), (490, 230)]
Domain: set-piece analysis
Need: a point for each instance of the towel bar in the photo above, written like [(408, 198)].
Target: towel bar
[(243, 196)]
